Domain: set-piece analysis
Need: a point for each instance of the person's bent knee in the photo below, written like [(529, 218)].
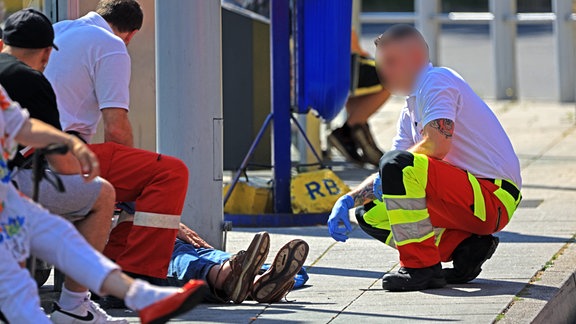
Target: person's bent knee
[(107, 190), (176, 166), (392, 165)]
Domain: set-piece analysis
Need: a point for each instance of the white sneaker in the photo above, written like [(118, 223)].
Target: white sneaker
[(87, 313)]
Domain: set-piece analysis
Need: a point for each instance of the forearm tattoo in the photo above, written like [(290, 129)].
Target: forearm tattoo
[(364, 192), (444, 126)]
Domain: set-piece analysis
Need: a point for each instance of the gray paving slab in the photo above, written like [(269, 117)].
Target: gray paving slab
[(554, 284), (345, 283)]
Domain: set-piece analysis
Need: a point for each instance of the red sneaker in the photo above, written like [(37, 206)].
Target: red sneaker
[(162, 311)]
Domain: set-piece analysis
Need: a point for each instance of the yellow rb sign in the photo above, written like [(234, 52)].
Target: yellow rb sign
[(316, 192)]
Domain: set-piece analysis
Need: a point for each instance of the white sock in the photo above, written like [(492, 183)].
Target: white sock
[(142, 294), (70, 300)]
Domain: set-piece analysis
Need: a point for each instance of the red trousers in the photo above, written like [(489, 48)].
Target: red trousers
[(158, 184), (421, 194), (450, 199)]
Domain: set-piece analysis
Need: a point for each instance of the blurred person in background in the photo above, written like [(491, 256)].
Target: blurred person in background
[(354, 139)]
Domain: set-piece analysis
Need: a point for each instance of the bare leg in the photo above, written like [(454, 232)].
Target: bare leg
[(117, 284), (139, 294), (96, 226), (217, 280), (361, 108)]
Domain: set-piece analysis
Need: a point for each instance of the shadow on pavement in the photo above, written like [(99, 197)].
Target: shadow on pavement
[(312, 231), (513, 237), (287, 308), (345, 272), (490, 287)]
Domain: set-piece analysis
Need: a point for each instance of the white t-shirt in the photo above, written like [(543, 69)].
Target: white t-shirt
[(479, 144), (90, 72)]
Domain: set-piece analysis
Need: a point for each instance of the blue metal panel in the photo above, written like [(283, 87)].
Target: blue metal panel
[(322, 55), (280, 40)]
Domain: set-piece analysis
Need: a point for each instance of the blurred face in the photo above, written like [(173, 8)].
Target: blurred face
[(399, 63)]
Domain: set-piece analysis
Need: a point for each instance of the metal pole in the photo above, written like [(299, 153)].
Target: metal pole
[(311, 128), (356, 10), (427, 23), (189, 104), (503, 33), (564, 44), (280, 39), (247, 158)]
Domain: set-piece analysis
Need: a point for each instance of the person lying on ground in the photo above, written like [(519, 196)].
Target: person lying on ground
[(242, 275)]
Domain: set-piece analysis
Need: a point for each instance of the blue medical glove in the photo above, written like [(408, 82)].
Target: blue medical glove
[(377, 187), (339, 215)]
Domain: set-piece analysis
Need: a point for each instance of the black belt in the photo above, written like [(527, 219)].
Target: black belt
[(508, 187), (75, 133)]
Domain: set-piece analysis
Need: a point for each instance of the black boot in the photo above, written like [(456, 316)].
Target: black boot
[(362, 137), (410, 279), (341, 139), (469, 257)]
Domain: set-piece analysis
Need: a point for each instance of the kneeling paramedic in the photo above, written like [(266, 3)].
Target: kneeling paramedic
[(451, 180)]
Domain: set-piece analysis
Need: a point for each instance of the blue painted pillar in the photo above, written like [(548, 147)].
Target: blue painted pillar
[(280, 40)]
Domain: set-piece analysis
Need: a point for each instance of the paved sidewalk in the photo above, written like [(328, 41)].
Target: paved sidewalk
[(345, 285)]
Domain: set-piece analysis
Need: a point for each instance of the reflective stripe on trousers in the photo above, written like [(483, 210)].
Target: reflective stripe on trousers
[(409, 218), (505, 197), (377, 217), (156, 220)]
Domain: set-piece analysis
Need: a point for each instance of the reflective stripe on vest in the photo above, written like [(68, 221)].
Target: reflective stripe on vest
[(156, 220)]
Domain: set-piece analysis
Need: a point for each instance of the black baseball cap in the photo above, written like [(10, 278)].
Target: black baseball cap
[(28, 28)]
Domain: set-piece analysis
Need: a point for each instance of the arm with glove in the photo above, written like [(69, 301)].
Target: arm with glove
[(369, 190)]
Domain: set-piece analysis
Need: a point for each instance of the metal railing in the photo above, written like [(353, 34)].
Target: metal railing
[(503, 19)]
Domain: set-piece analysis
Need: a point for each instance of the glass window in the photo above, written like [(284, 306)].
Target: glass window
[(8, 7)]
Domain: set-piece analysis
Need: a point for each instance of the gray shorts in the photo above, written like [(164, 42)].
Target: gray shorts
[(76, 202)]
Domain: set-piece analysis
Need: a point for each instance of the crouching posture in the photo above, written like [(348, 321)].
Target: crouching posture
[(26, 228), (451, 179)]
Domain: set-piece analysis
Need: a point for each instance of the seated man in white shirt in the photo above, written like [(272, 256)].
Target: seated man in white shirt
[(451, 179), (91, 75)]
